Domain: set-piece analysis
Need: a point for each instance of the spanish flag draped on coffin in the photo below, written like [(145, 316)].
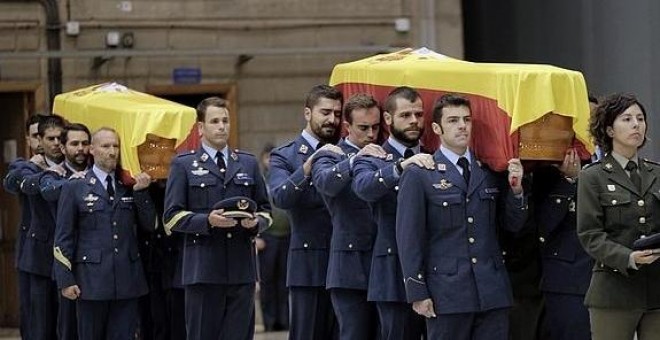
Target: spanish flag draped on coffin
[(534, 112), (151, 129)]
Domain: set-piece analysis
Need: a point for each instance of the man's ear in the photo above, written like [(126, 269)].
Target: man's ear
[(308, 114)]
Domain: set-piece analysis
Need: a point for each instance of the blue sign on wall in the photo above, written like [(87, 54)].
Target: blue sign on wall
[(187, 75)]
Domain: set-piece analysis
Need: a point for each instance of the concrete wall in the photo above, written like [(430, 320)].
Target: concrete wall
[(270, 86)]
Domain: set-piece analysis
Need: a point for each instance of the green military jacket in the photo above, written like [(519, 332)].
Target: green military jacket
[(611, 215)]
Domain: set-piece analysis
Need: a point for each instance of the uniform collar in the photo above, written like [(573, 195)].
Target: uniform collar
[(400, 148), (101, 175), (213, 153), (453, 157), (311, 140), (623, 161)]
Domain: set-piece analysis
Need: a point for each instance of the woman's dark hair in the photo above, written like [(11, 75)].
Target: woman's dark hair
[(605, 114)]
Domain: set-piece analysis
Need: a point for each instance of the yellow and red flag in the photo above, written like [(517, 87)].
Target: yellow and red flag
[(133, 115), (504, 97)]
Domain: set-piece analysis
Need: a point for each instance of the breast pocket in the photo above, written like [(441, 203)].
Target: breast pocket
[(488, 199), (200, 190), (452, 209), (244, 184), (615, 205), (91, 213)]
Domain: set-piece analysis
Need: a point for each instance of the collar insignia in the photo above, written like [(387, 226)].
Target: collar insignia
[(204, 157), (442, 167), (611, 187), (234, 156), (92, 180), (389, 157), (608, 166), (303, 149)]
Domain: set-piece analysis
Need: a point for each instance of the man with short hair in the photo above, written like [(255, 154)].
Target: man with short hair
[(17, 171), (96, 251), (354, 229), (219, 259), (75, 140), (37, 256), (293, 190), (376, 180), (446, 233)]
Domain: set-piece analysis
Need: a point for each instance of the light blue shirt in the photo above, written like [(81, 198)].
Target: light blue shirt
[(453, 157), (311, 140), (400, 148), (214, 153), (102, 175)]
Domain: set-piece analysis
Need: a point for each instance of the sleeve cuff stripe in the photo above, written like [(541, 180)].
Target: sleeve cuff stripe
[(174, 220), (267, 217), (59, 256)]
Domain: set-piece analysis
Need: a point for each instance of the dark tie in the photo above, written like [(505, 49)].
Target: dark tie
[(408, 153), (465, 165), (221, 161), (634, 176), (109, 187)]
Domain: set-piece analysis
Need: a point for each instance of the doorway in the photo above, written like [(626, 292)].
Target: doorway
[(18, 101)]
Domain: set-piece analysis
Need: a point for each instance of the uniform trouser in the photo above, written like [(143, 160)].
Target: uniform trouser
[(107, 319), (489, 325), (399, 321), (312, 316), (215, 311), (153, 310), (621, 324), (43, 308), (356, 316), (24, 303), (273, 293), (67, 322), (525, 317), (176, 312), (566, 317)]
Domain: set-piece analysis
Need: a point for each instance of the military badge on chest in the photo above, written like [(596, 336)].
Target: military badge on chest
[(443, 185)]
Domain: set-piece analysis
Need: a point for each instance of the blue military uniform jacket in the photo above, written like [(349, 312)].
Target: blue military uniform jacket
[(17, 172), (194, 185), (375, 180), (311, 227), (95, 240), (446, 233), (566, 266), (354, 229)]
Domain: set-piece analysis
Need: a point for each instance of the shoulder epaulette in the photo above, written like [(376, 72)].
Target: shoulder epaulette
[(651, 162), (243, 152), (590, 165), (285, 145), (186, 153)]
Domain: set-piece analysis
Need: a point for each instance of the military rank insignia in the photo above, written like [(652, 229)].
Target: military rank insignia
[(303, 149), (234, 156), (442, 167), (204, 157)]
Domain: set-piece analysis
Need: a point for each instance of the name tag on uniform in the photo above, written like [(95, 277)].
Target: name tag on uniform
[(611, 187), (128, 199), (492, 190)]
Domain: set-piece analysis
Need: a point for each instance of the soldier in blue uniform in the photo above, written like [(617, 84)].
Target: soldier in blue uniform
[(375, 180), (292, 189), (566, 265), (96, 251), (446, 233), (37, 255), (354, 229), (17, 171), (219, 263), (75, 140)]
